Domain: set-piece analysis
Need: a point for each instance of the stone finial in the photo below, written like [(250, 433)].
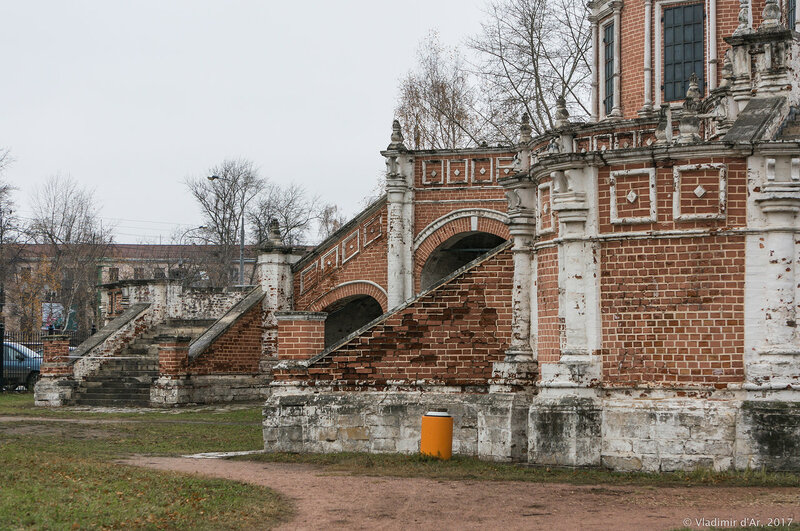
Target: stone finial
[(744, 18), (274, 232), (771, 16), (397, 137), (689, 125), (562, 114), (525, 129)]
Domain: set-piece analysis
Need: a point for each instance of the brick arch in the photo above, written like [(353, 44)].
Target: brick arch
[(349, 289), (450, 228)]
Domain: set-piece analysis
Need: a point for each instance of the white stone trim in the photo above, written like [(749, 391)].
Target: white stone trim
[(676, 192), (355, 234), (303, 273), (658, 48), (541, 211), (458, 179), (489, 172), (335, 253), (652, 218), (436, 179), (435, 225), (349, 282), (368, 224), (504, 167)]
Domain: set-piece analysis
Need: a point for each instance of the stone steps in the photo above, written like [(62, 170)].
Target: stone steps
[(125, 380)]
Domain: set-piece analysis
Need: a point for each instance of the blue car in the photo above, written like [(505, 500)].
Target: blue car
[(20, 365)]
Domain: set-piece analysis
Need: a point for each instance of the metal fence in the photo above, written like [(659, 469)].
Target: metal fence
[(21, 355)]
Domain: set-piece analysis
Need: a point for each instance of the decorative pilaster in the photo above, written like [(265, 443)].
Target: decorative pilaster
[(616, 111), (595, 110), (772, 351), (647, 106), (522, 226), (399, 190)]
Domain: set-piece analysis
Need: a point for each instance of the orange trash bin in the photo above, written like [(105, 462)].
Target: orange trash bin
[(436, 438)]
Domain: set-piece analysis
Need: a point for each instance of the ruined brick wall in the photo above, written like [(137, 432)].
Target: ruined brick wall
[(673, 311), (450, 336), (235, 351), (357, 255)]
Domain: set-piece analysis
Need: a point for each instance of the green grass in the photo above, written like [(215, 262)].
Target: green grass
[(61, 475), (467, 468), (21, 405)]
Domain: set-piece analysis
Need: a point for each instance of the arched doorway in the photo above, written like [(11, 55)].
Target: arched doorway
[(347, 315), (454, 253)]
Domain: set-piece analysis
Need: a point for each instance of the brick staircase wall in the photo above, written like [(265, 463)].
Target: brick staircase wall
[(449, 336)]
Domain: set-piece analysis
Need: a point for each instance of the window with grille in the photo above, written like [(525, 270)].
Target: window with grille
[(791, 5), (608, 59), (684, 49)]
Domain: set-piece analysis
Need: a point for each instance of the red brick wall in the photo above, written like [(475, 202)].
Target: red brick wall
[(549, 329), (173, 357), (673, 311), (300, 338), (451, 336), (236, 351)]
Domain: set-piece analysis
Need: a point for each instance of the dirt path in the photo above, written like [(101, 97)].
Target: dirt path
[(357, 502)]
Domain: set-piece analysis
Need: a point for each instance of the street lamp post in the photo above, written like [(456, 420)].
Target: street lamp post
[(213, 178)]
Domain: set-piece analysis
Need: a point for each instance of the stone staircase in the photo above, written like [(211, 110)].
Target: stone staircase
[(125, 380)]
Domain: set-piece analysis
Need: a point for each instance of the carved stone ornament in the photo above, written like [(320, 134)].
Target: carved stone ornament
[(771, 16), (689, 125), (663, 124), (525, 129), (562, 115), (514, 200), (744, 18), (397, 137)]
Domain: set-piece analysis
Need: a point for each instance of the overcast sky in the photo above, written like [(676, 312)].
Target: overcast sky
[(132, 97)]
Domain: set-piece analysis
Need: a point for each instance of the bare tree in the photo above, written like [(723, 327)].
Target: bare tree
[(291, 206), (436, 105), (11, 233), (66, 222), (330, 220), (223, 196), (530, 53)]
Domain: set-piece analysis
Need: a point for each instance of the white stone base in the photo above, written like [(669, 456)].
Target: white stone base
[(627, 430), (208, 389)]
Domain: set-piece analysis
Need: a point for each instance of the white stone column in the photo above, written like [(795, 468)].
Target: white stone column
[(647, 107), (400, 207)]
